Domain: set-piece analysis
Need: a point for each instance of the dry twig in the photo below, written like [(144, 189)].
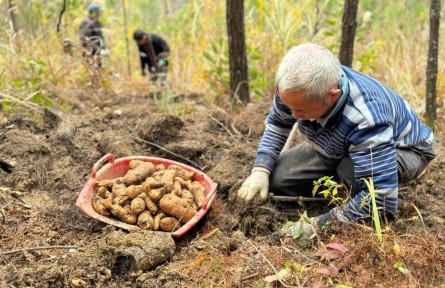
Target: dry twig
[(2, 210), (29, 105), (224, 127), (279, 198), (273, 268), (37, 248), (248, 277), (168, 151), (208, 235)]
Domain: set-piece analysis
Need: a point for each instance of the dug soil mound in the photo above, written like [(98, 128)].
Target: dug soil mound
[(47, 242)]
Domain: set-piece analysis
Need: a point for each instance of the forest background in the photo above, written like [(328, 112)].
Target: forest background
[(391, 44), (41, 65)]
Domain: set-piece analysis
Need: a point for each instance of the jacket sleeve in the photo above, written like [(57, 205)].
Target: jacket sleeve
[(164, 45), (373, 154), (279, 123), (141, 58)]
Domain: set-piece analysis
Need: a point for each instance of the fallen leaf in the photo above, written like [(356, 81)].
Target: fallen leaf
[(397, 248), (365, 274), (328, 254), (337, 246), (331, 271), (201, 257), (318, 285), (322, 271), (281, 275), (332, 251)]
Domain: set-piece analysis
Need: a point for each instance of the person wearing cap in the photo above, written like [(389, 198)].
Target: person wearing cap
[(90, 31), (153, 53), (353, 128)]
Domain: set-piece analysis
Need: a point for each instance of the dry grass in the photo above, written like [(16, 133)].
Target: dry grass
[(365, 264)]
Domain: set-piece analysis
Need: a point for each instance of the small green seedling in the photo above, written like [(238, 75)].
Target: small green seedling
[(399, 265), (332, 190), (298, 225)]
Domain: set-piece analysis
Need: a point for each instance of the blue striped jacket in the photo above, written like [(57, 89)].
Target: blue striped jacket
[(368, 122)]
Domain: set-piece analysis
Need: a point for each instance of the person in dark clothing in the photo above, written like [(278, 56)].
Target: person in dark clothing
[(153, 53), (90, 32)]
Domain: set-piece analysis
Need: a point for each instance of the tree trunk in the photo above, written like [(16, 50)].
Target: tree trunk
[(127, 45), (432, 63), (11, 9), (239, 77), (349, 25)]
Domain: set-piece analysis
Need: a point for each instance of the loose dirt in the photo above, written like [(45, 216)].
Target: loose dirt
[(47, 242)]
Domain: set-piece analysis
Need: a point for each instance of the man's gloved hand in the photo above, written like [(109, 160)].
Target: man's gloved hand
[(104, 52), (257, 182), (303, 232)]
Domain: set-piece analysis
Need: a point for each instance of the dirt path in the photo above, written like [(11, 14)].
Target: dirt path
[(45, 165)]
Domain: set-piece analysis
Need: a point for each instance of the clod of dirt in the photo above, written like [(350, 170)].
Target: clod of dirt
[(118, 144), (140, 250), (187, 148), (159, 128), (66, 125), (234, 165)]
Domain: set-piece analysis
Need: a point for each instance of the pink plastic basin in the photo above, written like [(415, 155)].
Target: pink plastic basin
[(117, 168)]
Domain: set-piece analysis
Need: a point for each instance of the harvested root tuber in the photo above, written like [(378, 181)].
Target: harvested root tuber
[(99, 207), (134, 163), (123, 214), (151, 183), (169, 224), (145, 221), (187, 194), (151, 196), (156, 194), (151, 206), (157, 221), (168, 178), (137, 206), (119, 190), (120, 200), (107, 183), (160, 167), (133, 191), (199, 192), (182, 173), (177, 207), (177, 188), (140, 173)]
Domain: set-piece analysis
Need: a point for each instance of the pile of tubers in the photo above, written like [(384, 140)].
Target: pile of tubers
[(154, 197)]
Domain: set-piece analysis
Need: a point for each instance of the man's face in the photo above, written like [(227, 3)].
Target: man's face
[(95, 15), (303, 109), (143, 40)]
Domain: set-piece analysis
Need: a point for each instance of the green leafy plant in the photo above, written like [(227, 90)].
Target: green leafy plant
[(399, 266), (299, 229), (375, 213), (330, 189)]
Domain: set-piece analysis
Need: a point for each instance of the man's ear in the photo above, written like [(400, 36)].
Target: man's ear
[(334, 94)]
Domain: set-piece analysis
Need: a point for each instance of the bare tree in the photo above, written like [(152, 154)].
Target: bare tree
[(239, 77), (349, 25), (127, 45), (432, 63), (60, 15), (11, 9)]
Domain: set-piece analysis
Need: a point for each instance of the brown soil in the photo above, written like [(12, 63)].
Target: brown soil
[(45, 165)]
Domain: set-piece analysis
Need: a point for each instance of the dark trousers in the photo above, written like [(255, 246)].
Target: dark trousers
[(297, 168)]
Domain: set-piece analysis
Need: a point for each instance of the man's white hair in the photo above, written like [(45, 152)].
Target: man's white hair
[(311, 69)]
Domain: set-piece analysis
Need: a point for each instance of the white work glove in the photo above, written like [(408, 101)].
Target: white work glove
[(104, 52), (257, 182), (303, 232)]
